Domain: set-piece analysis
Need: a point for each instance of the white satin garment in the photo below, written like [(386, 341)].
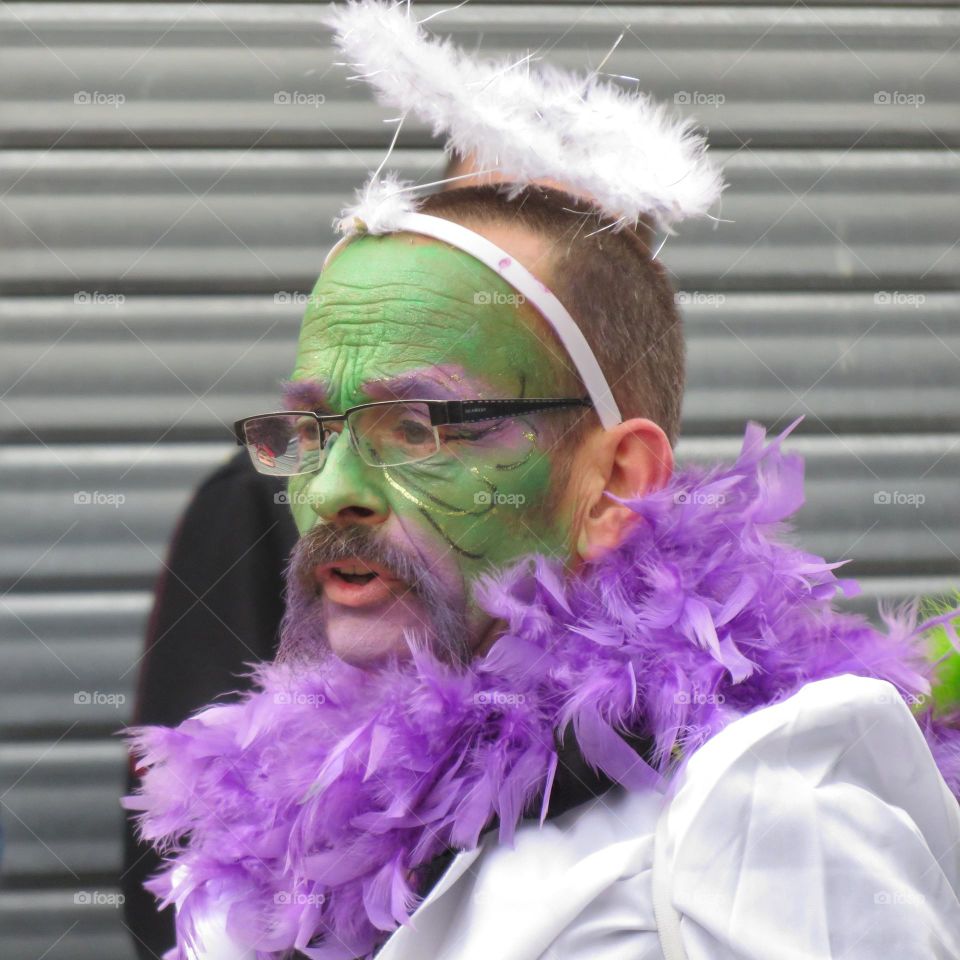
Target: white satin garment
[(818, 828)]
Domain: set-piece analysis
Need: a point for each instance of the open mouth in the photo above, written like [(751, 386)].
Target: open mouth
[(353, 577), (356, 583)]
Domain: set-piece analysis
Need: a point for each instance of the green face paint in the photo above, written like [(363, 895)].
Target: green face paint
[(399, 317)]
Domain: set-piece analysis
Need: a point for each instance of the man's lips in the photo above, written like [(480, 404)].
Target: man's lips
[(356, 583)]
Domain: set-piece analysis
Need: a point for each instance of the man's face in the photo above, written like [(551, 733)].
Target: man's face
[(401, 316)]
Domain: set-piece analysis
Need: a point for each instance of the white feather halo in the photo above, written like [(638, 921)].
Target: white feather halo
[(622, 150), (379, 205)]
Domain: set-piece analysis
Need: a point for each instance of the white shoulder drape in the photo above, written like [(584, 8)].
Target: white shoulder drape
[(818, 828)]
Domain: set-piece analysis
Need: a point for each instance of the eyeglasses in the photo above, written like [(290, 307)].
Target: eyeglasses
[(385, 433)]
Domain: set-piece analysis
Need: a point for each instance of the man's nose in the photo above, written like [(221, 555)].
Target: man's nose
[(346, 490)]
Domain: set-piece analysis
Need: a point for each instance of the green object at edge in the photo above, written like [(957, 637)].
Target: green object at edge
[(946, 683)]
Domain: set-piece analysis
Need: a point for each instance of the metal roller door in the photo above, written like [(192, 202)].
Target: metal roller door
[(168, 172)]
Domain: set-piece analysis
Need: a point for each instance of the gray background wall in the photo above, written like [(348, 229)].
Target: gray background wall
[(162, 218)]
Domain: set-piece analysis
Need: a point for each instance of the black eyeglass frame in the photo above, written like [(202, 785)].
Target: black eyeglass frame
[(442, 412)]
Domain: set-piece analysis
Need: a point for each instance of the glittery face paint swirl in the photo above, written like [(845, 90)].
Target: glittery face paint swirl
[(398, 317)]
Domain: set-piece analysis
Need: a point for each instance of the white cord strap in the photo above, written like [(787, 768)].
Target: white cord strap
[(668, 920), (533, 291)]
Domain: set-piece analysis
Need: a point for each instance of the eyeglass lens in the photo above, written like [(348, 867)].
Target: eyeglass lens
[(284, 445)]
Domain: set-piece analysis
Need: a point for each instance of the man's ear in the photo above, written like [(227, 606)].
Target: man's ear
[(630, 459)]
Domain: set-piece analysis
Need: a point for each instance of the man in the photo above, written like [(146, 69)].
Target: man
[(538, 694)]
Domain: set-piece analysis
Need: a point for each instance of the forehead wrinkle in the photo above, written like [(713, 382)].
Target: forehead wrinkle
[(374, 274), (362, 332), (412, 253), (437, 311), (398, 311), (411, 275), (366, 323), (382, 357)]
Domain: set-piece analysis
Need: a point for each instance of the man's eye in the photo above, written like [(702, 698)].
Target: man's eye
[(306, 432), (414, 432)]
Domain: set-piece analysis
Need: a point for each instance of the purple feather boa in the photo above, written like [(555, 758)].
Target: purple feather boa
[(308, 804)]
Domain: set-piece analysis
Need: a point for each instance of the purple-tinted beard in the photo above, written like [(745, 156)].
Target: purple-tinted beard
[(303, 635)]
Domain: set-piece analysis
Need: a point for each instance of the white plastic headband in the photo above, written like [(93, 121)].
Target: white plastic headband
[(533, 291)]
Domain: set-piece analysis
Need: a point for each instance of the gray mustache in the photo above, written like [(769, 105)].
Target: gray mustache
[(328, 544)]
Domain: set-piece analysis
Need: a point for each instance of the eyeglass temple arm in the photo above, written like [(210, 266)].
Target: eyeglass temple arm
[(469, 411)]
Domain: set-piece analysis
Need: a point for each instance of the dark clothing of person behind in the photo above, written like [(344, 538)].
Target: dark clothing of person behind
[(217, 607)]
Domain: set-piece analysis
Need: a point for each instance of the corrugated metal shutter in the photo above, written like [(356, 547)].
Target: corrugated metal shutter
[(162, 216)]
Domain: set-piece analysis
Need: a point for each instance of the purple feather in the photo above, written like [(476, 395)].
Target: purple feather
[(308, 805)]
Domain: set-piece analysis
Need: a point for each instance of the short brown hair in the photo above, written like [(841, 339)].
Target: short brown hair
[(617, 293)]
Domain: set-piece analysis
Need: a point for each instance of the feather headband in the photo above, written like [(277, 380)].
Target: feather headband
[(620, 150)]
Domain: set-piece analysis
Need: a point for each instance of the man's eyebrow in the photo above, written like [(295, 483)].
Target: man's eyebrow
[(439, 385), (306, 394)]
